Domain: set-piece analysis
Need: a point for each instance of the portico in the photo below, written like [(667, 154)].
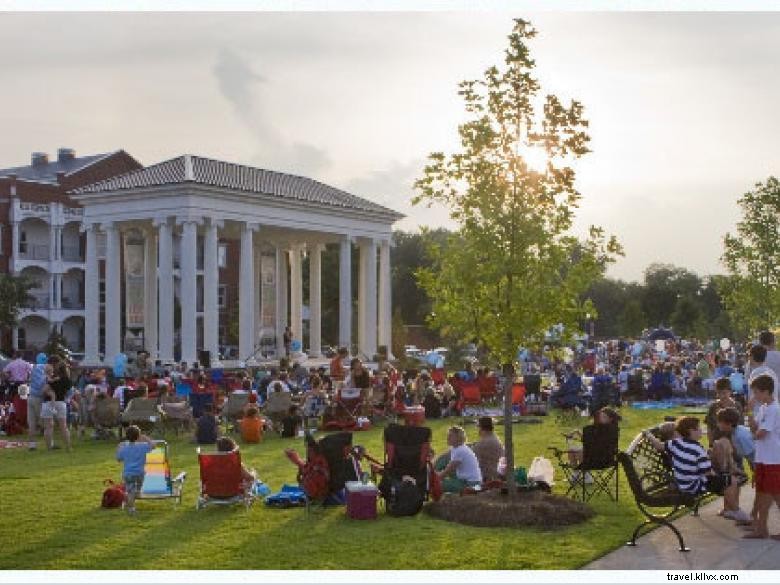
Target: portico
[(182, 210)]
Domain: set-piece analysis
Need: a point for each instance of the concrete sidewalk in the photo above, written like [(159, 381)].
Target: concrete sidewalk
[(715, 542)]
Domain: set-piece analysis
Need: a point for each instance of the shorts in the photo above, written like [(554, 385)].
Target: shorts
[(133, 483), (56, 410), (768, 478)]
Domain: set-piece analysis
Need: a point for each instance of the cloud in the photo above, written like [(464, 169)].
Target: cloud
[(238, 83)]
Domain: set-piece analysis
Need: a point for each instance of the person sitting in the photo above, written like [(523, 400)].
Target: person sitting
[(723, 400), (488, 449), (730, 451), (603, 416), (251, 426), (206, 427), (459, 468), (533, 383), (603, 393), (691, 466), (431, 404), (291, 424), (568, 395), (226, 445), (659, 387)]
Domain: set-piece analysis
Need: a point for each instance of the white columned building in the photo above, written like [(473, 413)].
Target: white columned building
[(235, 208)]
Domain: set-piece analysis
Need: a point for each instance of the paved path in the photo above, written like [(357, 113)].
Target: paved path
[(715, 543)]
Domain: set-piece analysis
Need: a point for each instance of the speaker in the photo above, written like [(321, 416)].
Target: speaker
[(204, 357)]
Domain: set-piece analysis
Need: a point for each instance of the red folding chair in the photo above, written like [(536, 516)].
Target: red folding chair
[(488, 387), (439, 376), (518, 396), (220, 480)]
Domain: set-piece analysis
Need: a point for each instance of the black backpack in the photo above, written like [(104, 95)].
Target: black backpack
[(402, 498)]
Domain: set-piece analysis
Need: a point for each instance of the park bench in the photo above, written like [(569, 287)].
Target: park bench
[(650, 477)]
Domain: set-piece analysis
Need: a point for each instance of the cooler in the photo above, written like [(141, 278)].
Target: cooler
[(361, 500), (414, 416)]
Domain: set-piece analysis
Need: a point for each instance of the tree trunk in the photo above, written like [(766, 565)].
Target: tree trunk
[(509, 452)]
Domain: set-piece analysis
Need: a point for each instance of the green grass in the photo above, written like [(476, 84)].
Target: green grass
[(51, 518)]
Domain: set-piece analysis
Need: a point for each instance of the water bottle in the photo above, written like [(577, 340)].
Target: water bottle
[(364, 478)]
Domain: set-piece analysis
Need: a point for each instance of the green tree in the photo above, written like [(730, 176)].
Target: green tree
[(14, 294), (686, 316), (752, 260), (511, 271), (632, 319), (664, 284)]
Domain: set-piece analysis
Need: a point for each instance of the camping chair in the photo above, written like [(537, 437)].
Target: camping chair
[(142, 412), (234, 408), (199, 401), (278, 405), (518, 397), (158, 484), (106, 416), (470, 395), (177, 414), (220, 480), (348, 406), (407, 453), (488, 388), (438, 376), (599, 466)]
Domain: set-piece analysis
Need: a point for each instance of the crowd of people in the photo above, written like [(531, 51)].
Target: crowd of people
[(742, 423)]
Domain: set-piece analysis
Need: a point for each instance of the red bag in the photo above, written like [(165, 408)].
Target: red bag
[(114, 494)]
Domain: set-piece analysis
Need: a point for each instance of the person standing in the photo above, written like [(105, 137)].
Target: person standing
[(287, 339), (38, 382), (17, 372), (54, 407)]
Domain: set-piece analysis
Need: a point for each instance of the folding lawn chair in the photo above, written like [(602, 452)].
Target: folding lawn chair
[(144, 413), (158, 484), (220, 480), (599, 466), (234, 408), (407, 455)]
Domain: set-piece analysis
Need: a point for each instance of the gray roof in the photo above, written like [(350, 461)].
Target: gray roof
[(48, 173), (215, 173)]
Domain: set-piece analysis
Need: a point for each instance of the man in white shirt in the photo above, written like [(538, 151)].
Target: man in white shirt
[(463, 469), (772, 360), (757, 366)]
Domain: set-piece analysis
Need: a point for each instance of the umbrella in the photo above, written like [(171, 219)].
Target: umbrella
[(434, 359)]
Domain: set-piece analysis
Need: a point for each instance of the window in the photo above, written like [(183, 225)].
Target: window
[(102, 288), (21, 338), (222, 296), (1, 239), (222, 255), (22, 242)]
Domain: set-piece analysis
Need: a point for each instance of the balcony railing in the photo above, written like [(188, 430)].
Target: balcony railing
[(34, 251), (39, 301), (72, 254), (72, 303)]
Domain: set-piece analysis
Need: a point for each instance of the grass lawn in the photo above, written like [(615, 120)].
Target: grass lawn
[(51, 517)]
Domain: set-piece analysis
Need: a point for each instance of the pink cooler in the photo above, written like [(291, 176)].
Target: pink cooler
[(361, 500)]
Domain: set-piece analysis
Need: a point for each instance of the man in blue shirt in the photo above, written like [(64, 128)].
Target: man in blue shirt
[(133, 453)]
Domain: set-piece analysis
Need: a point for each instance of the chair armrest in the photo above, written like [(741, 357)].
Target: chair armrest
[(180, 478)]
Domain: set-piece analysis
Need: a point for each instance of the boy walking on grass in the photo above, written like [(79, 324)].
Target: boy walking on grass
[(766, 427), (133, 454)]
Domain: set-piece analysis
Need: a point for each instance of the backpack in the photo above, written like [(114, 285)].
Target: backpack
[(114, 495), (314, 476), (403, 498)]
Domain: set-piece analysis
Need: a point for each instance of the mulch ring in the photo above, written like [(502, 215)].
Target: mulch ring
[(491, 508)]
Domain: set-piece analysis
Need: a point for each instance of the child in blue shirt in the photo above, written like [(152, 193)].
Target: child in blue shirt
[(133, 454)]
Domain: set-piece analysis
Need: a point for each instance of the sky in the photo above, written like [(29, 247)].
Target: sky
[(682, 106)]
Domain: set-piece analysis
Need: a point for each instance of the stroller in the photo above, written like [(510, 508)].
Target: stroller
[(330, 463), (407, 473)]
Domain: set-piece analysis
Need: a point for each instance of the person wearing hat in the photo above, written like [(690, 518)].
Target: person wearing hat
[(488, 449)]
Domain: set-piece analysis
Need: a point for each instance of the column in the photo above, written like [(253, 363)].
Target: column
[(14, 244), (345, 293), (57, 298), (165, 290), (281, 297), (246, 292), (52, 242), (150, 294), (113, 294), (385, 303), (315, 300), (258, 293), (296, 292), (14, 338), (211, 290), (91, 300), (188, 290), (367, 300)]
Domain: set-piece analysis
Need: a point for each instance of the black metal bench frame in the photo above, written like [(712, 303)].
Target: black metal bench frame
[(651, 480)]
